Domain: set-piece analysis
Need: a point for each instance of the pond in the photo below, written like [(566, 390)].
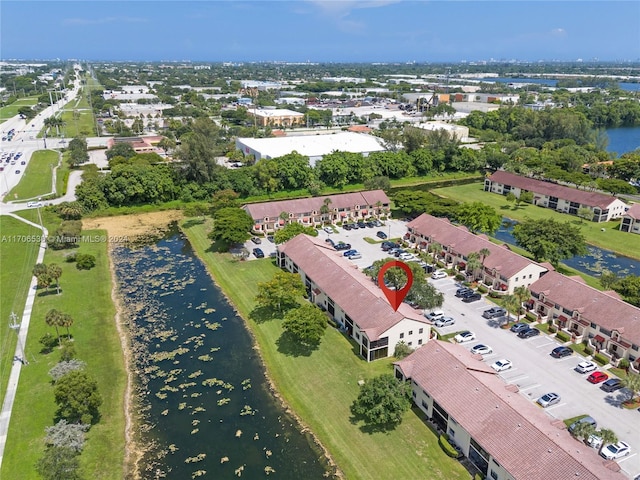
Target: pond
[(206, 407), (597, 260)]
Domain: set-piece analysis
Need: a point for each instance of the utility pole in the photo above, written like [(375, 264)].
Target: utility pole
[(14, 325)]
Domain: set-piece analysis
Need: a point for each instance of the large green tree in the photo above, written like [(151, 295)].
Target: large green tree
[(280, 293), (59, 463), (291, 230), (307, 323), (549, 240), (478, 217), (231, 225), (382, 401), (77, 397)]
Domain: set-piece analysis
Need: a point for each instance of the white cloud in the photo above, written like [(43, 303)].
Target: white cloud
[(102, 21), (558, 32), (338, 11)]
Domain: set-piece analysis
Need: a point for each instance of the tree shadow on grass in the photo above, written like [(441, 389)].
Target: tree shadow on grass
[(371, 428), (192, 222), (263, 314), (291, 346)]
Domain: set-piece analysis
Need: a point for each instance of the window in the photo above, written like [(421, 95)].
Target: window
[(516, 279), (419, 341), (494, 475), (452, 433), (410, 332), (421, 330), (409, 343), (605, 332), (402, 335)]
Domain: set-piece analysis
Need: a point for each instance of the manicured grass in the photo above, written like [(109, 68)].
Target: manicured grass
[(10, 111), (611, 238), (571, 420), (37, 178), (320, 387), (578, 348), (618, 372), (18, 253), (86, 296)]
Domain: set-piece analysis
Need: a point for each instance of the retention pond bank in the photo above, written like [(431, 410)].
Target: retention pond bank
[(206, 407)]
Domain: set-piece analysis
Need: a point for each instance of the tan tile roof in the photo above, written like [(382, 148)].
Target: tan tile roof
[(347, 286), (259, 211), (506, 262), (594, 305), (517, 434), (634, 211), (592, 199)]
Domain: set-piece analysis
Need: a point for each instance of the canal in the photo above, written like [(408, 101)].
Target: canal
[(205, 406)]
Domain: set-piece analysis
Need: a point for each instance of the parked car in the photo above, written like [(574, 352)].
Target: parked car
[(342, 246), (387, 246), (23, 162), (381, 235), (614, 451), (17, 172), (560, 352), (586, 419), (347, 226), (256, 240), (444, 322), (518, 327), (548, 399), (361, 224), (494, 312), (370, 224), (612, 385), (586, 367), (330, 242), (465, 336), (528, 333), (474, 297), (438, 274), (435, 315), (502, 365), (597, 377), (328, 229), (349, 253), (355, 256), (271, 239), (258, 253), (594, 441), (481, 349), (406, 256), (461, 292)]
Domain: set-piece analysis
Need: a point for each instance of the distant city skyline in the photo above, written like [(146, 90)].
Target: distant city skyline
[(321, 30)]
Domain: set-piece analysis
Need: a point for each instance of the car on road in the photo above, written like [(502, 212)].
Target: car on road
[(528, 333), (614, 451), (474, 297), (586, 367), (465, 336), (612, 385), (34, 204), (561, 352), (435, 315), (502, 365), (548, 399), (494, 312), (23, 162), (342, 246), (381, 235), (481, 349), (444, 322), (17, 172), (349, 253), (597, 377), (518, 327), (256, 240), (438, 274), (258, 253), (328, 229)]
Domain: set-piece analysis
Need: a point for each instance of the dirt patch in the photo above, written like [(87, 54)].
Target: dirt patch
[(135, 227)]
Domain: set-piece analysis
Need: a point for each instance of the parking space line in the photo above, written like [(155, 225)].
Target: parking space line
[(627, 457), (544, 344), (529, 387), (555, 406), (564, 359)]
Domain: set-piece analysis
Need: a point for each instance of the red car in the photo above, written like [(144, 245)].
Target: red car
[(597, 377)]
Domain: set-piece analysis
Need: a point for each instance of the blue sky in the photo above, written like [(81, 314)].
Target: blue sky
[(320, 30)]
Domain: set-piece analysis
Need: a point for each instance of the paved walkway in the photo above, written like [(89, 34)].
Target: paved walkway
[(12, 386)]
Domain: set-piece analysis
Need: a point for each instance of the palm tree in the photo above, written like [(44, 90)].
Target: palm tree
[(607, 436), (632, 383), (512, 304), (522, 294), (55, 272), (52, 318), (484, 253), (284, 216), (324, 209), (434, 248), (473, 263), (66, 321), (583, 430)]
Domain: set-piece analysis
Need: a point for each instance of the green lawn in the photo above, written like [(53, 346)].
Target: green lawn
[(320, 387), (18, 253), (10, 111), (37, 178), (611, 238), (86, 295)]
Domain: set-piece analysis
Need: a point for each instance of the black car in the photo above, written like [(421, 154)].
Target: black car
[(386, 246), (461, 292), (519, 327), (342, 246), (528, 333), (347, 226), (612, 385), (381, 235), (362, 225), (560, 352), (494, 312), (474, 297), (330, 242), (270, 238), (258, 253), (256, 240), (370, 224)]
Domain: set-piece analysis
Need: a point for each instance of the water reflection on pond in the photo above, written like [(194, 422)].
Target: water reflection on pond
[(207, 408)]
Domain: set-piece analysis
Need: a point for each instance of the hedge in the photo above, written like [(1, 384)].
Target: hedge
[(482, 288), (600, 359), (446, 446), (563, 336), (531, 316)]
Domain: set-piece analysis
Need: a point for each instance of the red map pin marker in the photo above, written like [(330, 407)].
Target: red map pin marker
[(395, 297)]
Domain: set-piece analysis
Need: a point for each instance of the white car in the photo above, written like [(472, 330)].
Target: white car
[(614, 451), (406, 256), (355, 256), (435, 315), (481, 349), (328, 229), (586, 367), (502, 365), (548, 399), (438, 274), (465, 336), (444, 322)]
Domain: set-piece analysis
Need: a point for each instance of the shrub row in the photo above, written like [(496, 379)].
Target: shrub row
[(600, 359), (563, 336), (447, 447)]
